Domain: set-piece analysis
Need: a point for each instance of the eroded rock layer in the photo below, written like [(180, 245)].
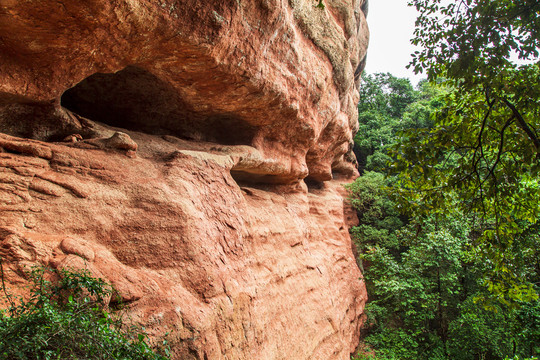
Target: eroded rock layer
[(163, 145)]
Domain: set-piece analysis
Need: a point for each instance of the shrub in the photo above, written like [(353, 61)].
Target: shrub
[(66, 317)]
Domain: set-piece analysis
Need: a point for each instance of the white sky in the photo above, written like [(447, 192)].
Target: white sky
[(391, 26)]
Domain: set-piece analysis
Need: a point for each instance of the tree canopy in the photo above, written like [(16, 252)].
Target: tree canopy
[(389, 105), (431, 296), (482, 156), (455, 275)]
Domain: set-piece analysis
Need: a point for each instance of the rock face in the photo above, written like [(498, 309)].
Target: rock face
[(192, 154)]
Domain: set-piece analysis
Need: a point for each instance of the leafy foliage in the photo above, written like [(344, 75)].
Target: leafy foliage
[(424, 287), (67, 319), (387, 106), (483, 148), (431, 291), (378, 215), (320, 4), (474, 40)]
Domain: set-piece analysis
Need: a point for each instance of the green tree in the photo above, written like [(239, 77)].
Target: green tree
[(388, 105), (378, 215), (425, 268), (424, 286), (484, 147), (386, 94)]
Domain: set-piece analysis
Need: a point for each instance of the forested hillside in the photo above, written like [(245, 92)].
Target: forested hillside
[(449, 197), (430, 294)]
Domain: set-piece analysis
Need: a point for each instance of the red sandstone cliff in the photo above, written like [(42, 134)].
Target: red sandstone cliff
[(166, 146)]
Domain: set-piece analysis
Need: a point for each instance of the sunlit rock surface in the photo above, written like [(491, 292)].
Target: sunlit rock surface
[(192, 154)]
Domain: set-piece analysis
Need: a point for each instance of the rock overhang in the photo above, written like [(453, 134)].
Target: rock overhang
[(280, 76), (205, 227)]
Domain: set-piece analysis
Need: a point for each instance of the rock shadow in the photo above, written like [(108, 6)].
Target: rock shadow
[(137, 100)]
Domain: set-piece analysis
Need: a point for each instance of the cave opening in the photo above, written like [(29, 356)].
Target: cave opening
[(137, 100)]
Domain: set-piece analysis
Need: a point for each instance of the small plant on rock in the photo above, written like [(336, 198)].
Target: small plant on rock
[(66, 317)]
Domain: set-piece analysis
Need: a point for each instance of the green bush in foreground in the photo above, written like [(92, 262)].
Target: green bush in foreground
[(67, 319)]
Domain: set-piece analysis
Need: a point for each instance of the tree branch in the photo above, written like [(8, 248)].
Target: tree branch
[(500, 151), (524, 126)]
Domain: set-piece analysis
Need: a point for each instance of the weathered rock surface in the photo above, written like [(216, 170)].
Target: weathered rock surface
[(163, 145)]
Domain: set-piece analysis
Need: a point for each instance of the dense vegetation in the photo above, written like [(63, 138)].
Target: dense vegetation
[(487, 134), (429, 298), (66, 317), (449, 199)]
